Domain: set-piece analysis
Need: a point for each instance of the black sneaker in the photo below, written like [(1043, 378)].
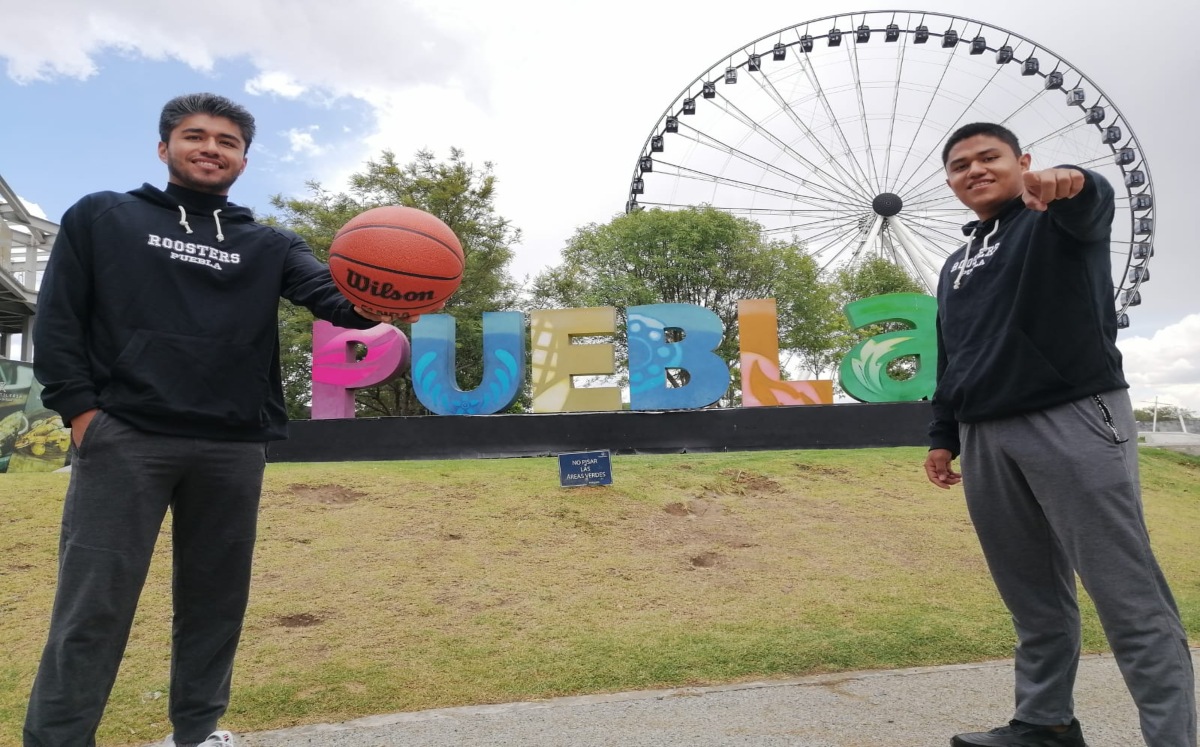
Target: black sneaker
[(1021, 734)]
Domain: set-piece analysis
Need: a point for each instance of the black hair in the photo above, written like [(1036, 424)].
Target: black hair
[(181, 107), (1000, 132)]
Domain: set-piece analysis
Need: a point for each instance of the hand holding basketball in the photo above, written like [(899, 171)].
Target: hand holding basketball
[(396, 262), (383, 318)]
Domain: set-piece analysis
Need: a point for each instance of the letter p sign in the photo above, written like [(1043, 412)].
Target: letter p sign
[(336, 371)]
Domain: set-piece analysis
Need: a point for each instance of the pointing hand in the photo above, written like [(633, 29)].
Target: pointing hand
[(1048, 185)]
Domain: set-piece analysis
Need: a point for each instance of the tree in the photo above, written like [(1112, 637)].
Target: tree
[(699, 256), (1166, 413), (461, 195)]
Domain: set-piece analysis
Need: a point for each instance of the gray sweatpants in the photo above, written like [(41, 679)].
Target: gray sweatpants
[(122, 482), (1053, 493)]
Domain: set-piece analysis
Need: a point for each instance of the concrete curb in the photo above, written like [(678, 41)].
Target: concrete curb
[(915, 707)]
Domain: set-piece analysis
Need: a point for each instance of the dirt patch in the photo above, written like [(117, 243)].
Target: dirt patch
[(822, 469), (706, 560), (299, 620), (693, 508), (750, 481), (739, 544), (327, 494)]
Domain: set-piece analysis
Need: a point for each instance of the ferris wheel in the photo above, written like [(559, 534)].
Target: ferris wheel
[(830, 133)]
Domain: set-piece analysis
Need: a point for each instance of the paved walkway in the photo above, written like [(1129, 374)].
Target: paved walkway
[(897, 708)]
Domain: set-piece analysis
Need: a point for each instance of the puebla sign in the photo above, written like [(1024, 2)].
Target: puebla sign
[(555, 360)]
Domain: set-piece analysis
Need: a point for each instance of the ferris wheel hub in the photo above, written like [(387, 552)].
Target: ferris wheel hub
[(887, 204)]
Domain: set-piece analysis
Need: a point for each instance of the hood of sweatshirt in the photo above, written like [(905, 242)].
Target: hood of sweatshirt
[(211, 207), (988, 230)]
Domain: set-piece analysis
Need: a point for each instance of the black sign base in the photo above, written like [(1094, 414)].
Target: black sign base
[(848, 426)]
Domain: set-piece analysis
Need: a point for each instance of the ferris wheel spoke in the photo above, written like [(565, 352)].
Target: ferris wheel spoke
[(769, 211), (849, 181), (862, 113), (938, 194), (887, 162), (908, 252), (712, 142), (952, 222), (925, 116), (945, 243), (942, 236), (1056, 133), (846, 191), (834, 230), (835, 248), (946, 132), (834, 120), (1098, 160), (934, 219), (826, 224), (684, 172)]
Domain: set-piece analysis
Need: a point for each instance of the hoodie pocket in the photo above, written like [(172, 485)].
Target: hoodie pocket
[(195, 378), (1000, 374)]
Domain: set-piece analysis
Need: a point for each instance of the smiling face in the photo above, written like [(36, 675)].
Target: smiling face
[(204, 153), (985, 174)]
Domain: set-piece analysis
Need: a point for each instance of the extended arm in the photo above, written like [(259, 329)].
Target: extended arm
[(1080, 202), (307, 282)]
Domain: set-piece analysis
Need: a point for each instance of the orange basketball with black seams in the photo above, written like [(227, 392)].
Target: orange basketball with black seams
[(396, 260)]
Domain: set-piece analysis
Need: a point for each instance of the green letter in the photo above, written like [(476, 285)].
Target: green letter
[(864, 370)]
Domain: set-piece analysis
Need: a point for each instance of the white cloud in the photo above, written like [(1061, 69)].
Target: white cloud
[(311, 44), (280, 84), (1165, 365), (302, 143)]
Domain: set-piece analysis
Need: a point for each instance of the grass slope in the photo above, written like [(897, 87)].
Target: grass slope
[(384, 587)]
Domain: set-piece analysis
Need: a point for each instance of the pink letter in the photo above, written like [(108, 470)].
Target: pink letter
[(336, 372)]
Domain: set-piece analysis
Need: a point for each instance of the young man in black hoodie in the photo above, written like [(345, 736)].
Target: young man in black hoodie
[(1031, 392), (156, 340)]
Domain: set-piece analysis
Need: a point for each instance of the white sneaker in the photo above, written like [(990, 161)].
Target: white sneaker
[(217, 737)]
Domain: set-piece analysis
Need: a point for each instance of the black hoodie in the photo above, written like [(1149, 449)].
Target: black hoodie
[(1028, 322), (165, 313)]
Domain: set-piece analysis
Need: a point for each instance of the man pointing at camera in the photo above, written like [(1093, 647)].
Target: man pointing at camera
[(1031, 393)]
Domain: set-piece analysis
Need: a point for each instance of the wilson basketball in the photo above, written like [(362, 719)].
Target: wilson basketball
[(396, 260)]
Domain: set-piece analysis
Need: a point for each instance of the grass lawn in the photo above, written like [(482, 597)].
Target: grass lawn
[(394, 586)]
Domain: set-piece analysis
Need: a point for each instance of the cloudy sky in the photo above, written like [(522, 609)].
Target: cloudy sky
[(559, 96)]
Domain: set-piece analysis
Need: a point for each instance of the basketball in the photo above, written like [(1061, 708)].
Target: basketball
[(396, 260)]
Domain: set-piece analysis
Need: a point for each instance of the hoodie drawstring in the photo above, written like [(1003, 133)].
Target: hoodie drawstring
[(967, 254), (216, 219), (183, 219)]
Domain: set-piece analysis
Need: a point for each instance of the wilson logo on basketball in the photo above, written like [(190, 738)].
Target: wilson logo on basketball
[(387, 291)]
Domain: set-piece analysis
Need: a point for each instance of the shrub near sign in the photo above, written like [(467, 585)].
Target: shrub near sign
[(555, 360)]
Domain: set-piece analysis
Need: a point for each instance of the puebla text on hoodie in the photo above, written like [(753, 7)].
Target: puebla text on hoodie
[(1025, 313), (162, 308)]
